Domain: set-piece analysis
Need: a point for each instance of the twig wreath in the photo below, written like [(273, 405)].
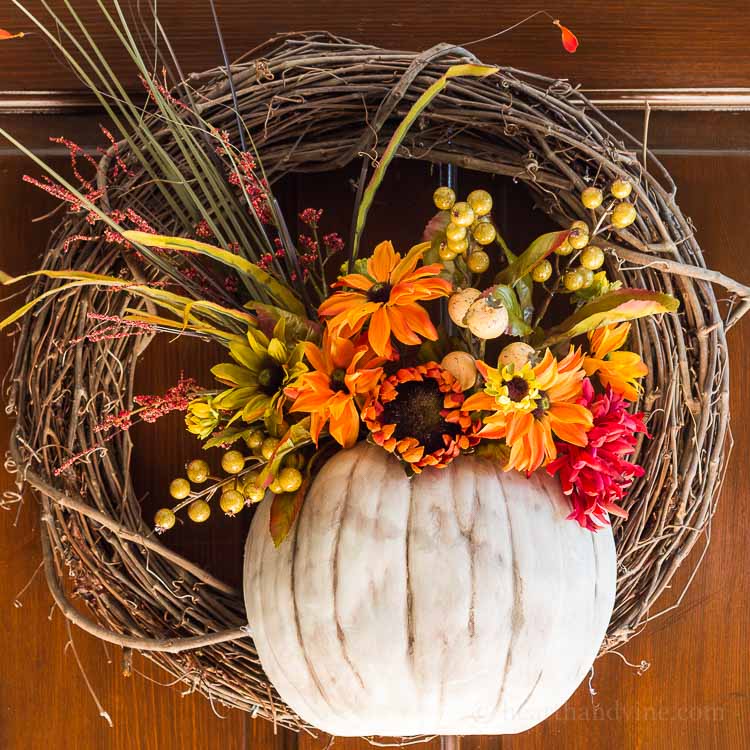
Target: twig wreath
[(308, 103)]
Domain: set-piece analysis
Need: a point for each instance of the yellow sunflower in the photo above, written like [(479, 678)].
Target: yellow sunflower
[(263, 366)]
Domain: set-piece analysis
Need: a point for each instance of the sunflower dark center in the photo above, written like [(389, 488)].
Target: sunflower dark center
[(379, 292), (270, 378), (338, 380), (542, 404), (416, 413), (518, 389)]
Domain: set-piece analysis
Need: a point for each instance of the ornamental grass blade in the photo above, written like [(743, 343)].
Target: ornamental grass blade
[(170, 326), (280, 292), (613, 307), (168, 300), (455, 71), (537, 251)]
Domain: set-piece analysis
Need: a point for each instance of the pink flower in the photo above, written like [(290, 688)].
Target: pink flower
[(596, 477)]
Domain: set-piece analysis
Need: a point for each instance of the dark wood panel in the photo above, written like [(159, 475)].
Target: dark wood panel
[(642, 44)]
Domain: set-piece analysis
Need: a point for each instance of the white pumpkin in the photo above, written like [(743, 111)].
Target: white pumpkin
[(458, 602)]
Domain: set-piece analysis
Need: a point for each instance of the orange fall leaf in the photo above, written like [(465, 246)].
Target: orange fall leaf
[(7, 35), (569, 39)]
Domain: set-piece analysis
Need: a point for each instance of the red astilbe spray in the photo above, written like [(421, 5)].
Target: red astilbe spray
[(77, 152), (118, 165), (115, 328), (242, 174), (163, 89), (176, 398), (91, 194), (149, 409), (61, 193), (596, 477)]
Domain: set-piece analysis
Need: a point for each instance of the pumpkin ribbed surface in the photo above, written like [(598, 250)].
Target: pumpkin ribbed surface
[(457, 602)]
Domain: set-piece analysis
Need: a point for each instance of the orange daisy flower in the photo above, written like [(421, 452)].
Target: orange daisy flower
[(417, 414), (619, 370), (341, 372), (386, 298), (528, 407)]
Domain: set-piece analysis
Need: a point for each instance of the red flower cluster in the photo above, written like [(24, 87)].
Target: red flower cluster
[(595, 477), (255, 188), (176, 398), (113, 327), (311, 217), (333, 243)]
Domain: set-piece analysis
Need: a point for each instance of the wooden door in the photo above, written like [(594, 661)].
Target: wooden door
[(684, 681)]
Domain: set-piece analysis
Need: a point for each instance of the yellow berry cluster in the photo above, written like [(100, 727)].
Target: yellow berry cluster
[(240, 488), (623, 212), (591, 258), (469, 229)]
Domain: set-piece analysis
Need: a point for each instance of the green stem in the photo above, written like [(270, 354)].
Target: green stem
[(398, 137)]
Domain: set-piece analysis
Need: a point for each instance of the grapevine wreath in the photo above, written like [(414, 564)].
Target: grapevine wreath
[(317, 102)]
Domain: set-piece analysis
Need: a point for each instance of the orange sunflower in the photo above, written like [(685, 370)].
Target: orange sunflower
[(528, 407), (386, 298), (341, 373), (619, 370), (417, 414)]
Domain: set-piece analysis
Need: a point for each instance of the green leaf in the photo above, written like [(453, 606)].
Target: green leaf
[(296, 436), (284, 511), (227, 437), (359, 266), (613, 307), (298, 327), (600, 285), (507, 296), (524, 286), (280, 292), (538, 250), (398, 136), (436, 226)]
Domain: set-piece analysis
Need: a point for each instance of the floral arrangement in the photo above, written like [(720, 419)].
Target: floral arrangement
[(413, 353), (398, 354), (430, 353)]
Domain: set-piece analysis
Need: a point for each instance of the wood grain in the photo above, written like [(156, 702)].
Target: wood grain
[(696, 693), (642, 44)]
